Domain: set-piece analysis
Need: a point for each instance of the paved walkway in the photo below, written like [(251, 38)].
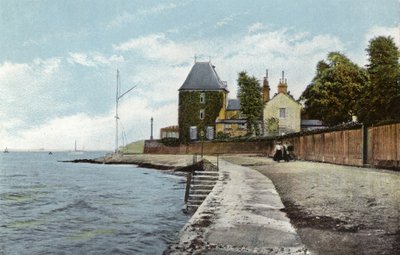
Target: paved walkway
[(336, 209), (240, 216)]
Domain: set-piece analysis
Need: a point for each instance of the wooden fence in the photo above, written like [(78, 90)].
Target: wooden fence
[(384, 146), (339, 147), (375, 146)]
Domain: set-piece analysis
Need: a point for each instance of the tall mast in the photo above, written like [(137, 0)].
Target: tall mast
[(118, 96), (116, 113)]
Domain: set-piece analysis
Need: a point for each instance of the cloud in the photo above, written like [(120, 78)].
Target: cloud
[(384, 31), (158, 47), (227, 20), (224, 21), (93, 59), (258, 26), (92, 132), (26, 88), (127, 17), (61, 132)]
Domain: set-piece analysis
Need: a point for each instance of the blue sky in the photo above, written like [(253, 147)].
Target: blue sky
[(58, 59)]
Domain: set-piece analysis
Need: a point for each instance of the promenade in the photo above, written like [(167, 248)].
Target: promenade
[(336, 209), (242, 215)]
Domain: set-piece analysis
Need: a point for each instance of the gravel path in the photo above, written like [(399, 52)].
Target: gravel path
[(337, 209)]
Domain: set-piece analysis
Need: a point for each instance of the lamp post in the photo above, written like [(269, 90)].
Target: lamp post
[(151, 134), (202, 142)]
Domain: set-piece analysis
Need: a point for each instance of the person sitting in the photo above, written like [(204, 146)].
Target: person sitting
[(279, 150), (290, 152)]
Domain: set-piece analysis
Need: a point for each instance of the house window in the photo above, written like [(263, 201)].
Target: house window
[(242, 126), (282, 113), (202, 114), (202, 98), (210, 133), (193, 133)]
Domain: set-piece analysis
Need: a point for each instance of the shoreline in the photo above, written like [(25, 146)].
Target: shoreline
[(175, 163)]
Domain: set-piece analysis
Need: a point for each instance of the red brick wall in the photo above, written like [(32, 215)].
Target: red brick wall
[(210, 147)]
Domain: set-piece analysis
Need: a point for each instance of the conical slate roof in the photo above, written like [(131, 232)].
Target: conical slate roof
[(203, 77)]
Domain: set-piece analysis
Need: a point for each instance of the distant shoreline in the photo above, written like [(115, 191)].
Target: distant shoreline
[(159, 162)]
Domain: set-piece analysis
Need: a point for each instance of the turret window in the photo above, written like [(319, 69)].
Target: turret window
[(202, 114), (202, 98)]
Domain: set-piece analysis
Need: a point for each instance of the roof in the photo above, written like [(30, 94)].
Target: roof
[(234, 121), (170, 128), (203, 77), (285, 94), (233, 105), (311, 123)]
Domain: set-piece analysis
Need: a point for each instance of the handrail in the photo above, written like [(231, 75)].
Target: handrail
[(188, 182)]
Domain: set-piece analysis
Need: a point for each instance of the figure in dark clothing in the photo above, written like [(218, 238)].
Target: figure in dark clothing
[(279, 152), (285, 152), (290, 152)]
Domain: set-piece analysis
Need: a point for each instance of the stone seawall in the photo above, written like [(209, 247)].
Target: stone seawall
[(242, 215)]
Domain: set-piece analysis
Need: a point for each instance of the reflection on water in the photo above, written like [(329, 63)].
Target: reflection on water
[(48, 207)]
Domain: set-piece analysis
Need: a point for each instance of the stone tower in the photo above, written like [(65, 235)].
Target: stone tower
[(202, 98)]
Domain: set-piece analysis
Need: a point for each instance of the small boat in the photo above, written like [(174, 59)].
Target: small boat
[(50, 153), (6, 150)]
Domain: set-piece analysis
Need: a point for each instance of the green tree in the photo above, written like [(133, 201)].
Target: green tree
[(334, 92), (272, 126), (381, 100), (251, 104)]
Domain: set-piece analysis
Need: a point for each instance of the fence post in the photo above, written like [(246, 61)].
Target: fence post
[(364, 134), (217, 162)]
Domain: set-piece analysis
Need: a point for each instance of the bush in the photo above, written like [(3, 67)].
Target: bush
[(170, 141), (222, 135)]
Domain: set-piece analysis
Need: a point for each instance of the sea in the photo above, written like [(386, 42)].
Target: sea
[(52, 207)]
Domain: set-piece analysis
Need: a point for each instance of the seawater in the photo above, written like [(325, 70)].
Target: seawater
[(50, 207)]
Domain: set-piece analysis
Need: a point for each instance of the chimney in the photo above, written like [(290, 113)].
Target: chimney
[(282, 86), (265, 88)]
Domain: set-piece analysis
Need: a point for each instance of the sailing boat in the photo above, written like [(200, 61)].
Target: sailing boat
[(76, 151), (6, 150)]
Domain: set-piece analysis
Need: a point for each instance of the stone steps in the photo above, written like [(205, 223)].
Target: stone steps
[(197, 197), (201, 191), (202, 184), (207, 173), (205, 178)]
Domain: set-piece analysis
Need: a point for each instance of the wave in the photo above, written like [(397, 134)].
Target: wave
[(80, 205), (77, 204)]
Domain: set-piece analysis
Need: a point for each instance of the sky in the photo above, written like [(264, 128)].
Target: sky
[(59, 58)]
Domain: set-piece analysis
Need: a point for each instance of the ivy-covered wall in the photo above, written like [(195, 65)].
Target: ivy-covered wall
[(189, 111)]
